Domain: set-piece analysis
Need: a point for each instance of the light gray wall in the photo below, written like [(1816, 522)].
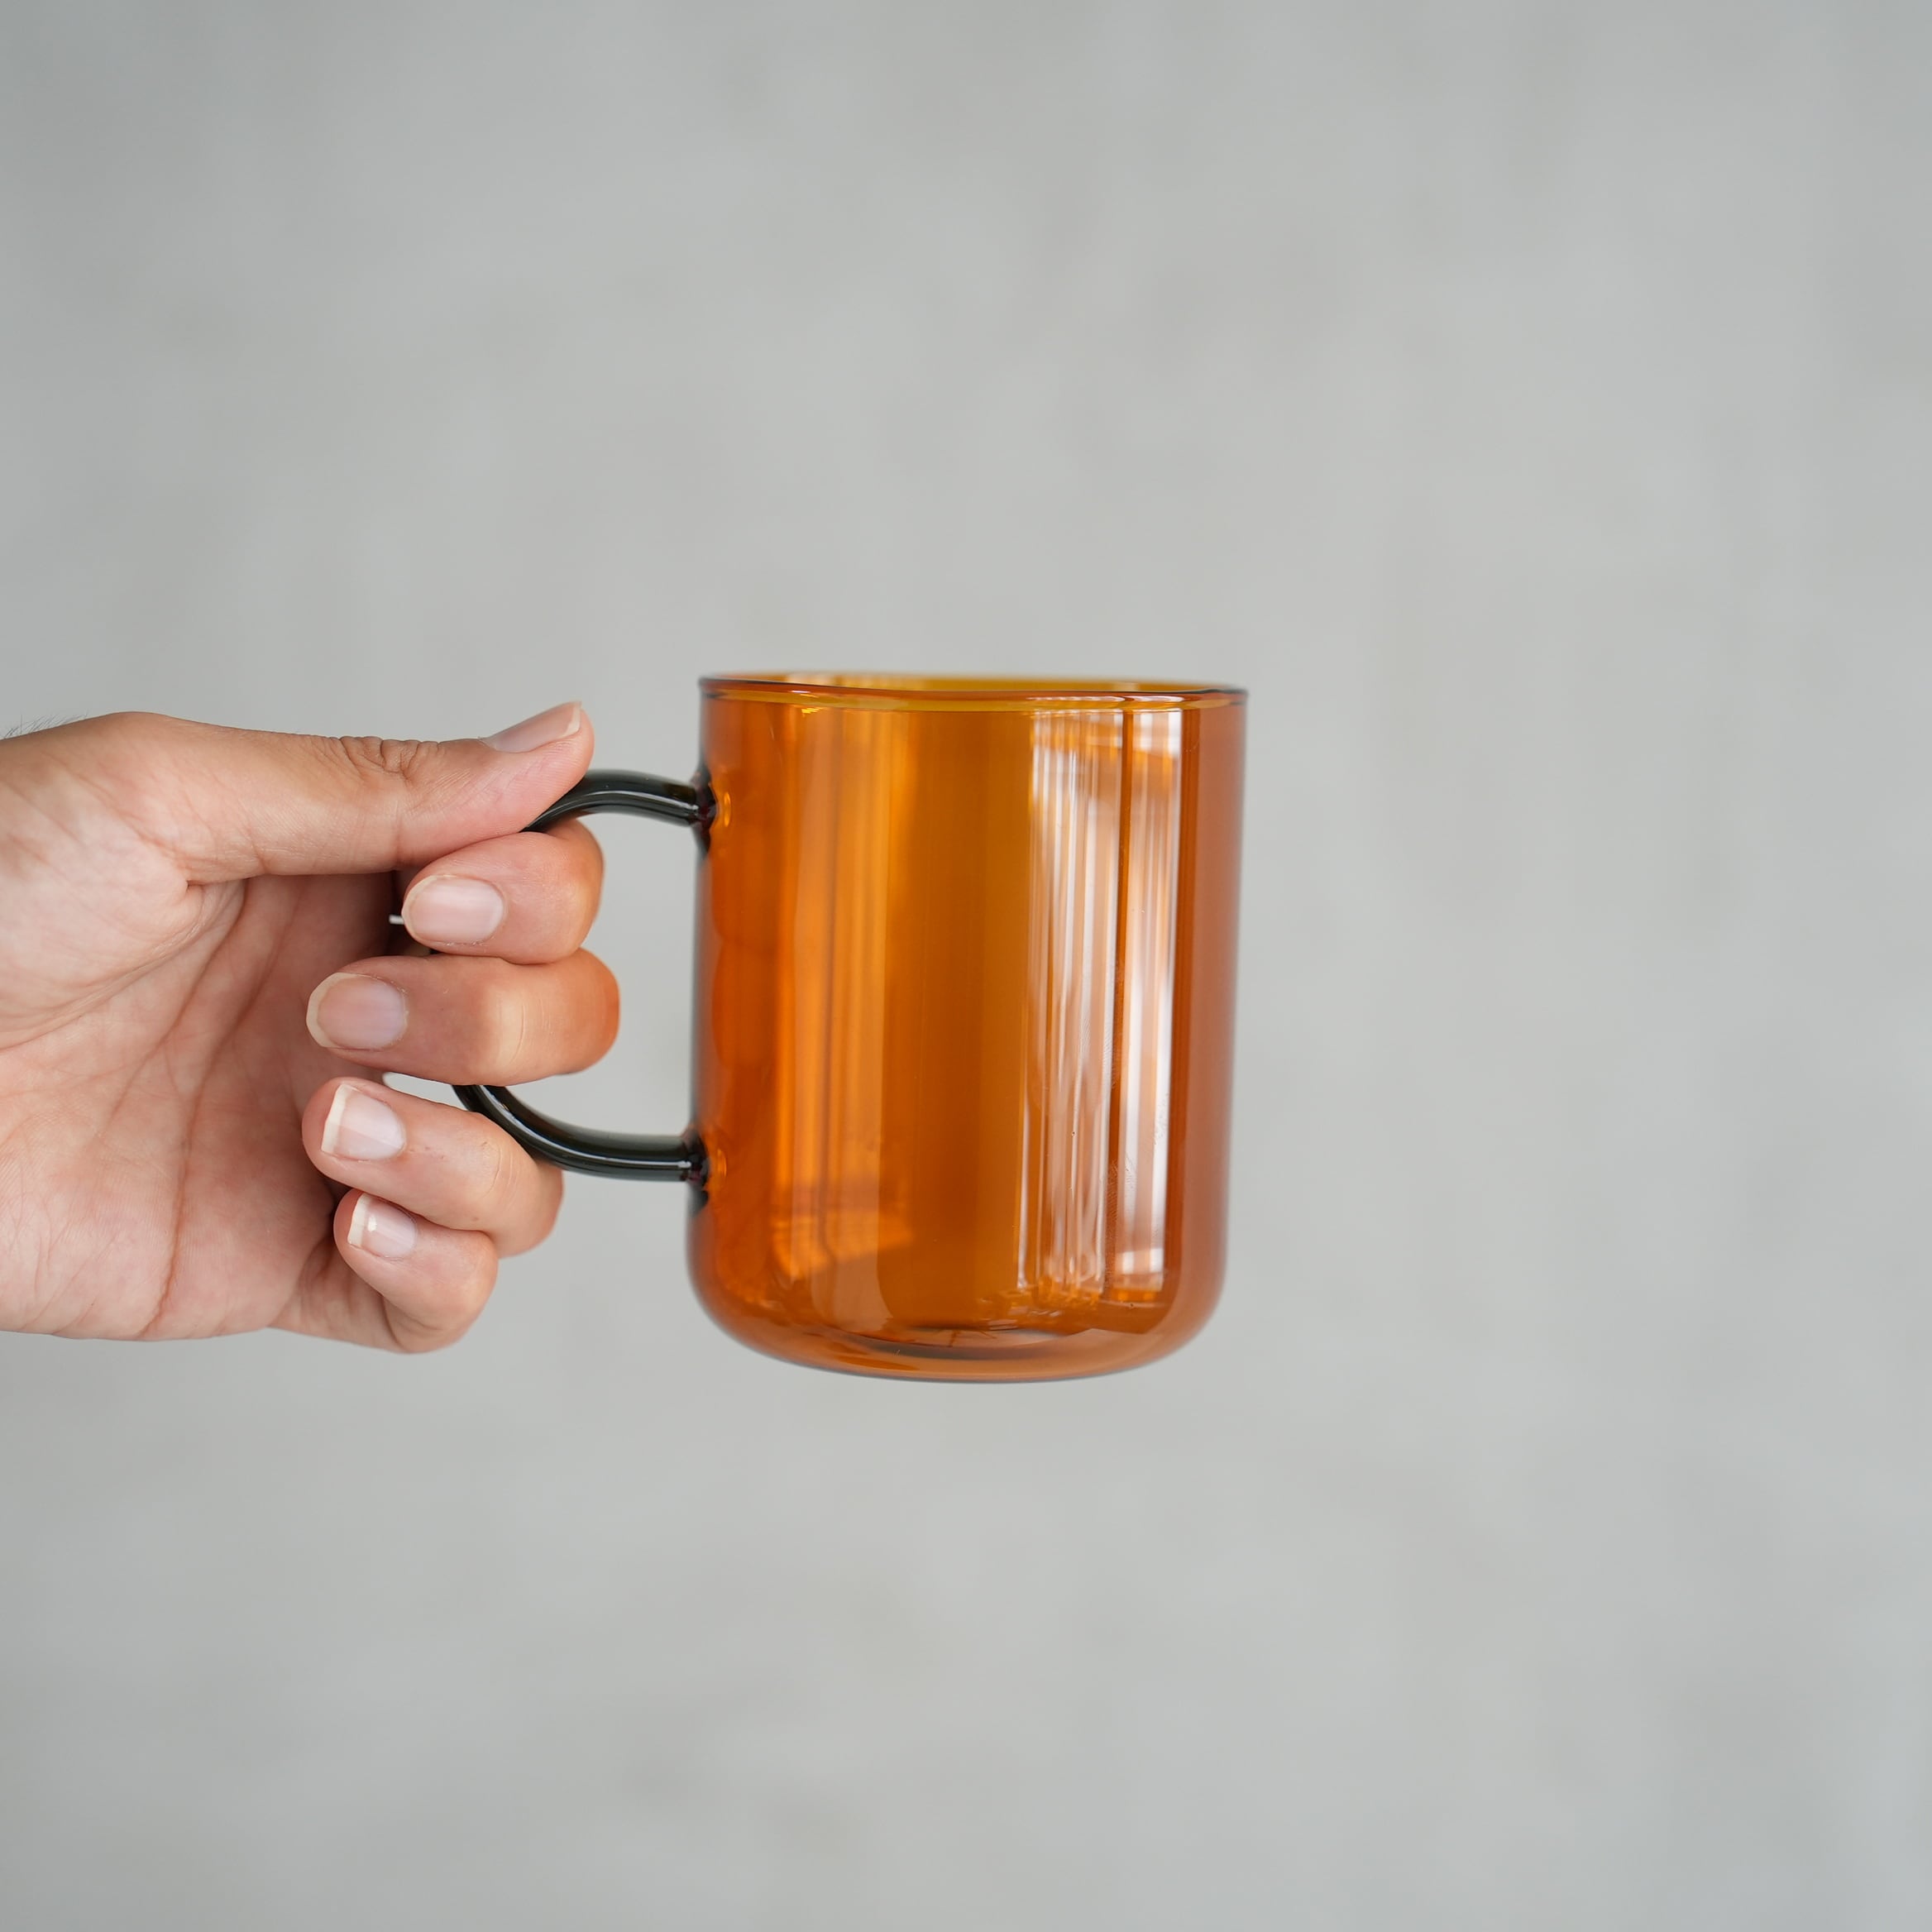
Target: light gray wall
[(1533, 405)]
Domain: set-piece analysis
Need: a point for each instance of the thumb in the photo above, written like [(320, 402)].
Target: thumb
[(229, 805)]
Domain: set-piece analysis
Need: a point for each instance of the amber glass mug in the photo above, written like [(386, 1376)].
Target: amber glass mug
[(965, 1019)]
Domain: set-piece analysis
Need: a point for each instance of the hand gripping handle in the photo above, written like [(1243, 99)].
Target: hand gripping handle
[(645, 1157)]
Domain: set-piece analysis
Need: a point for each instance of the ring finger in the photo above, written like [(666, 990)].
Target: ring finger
[(446, 1166)]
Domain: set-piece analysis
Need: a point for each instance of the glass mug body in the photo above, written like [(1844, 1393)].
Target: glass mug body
[(964, 1024), (963, 1030)]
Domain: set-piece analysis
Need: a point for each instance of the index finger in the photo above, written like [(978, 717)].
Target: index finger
[(529, 897)]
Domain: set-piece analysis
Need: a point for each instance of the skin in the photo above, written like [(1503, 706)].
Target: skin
[(172, 895)]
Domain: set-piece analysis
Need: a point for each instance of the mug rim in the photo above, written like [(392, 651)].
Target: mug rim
[(906, 691)]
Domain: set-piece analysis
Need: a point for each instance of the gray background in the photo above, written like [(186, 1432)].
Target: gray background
[(1533, 405)]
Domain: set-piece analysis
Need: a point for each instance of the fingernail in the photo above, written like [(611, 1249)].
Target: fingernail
[(378, 1229), (446, 911), (357, 1014), (360, 1127), (546, 728)]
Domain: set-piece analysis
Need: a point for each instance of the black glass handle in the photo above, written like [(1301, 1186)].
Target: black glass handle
[(646, 1157)]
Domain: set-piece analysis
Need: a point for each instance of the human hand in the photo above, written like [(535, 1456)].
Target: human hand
[(200, 989)]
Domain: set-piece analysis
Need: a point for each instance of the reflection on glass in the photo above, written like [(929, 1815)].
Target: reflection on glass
[(1102, 884), (828, 1099), (1073, 889), (1149, 878)]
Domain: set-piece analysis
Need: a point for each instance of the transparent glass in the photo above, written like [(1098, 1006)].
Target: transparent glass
[(964, 1020)]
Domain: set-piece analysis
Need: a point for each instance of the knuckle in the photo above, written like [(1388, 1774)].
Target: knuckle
[(533, 1226), (609, 1002), (497, 1174), (399, 760), (437, 1318), (124, 731), (128, 762), (415, 1335), (503, 1019), (127, 749), (549, 1205), (583, 856), (575, 903)]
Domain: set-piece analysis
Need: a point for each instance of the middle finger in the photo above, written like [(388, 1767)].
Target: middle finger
[(468, 1021)]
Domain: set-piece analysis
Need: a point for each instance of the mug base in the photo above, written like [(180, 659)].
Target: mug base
[(954, 1355)]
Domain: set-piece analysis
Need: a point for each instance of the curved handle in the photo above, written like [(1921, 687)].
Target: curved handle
[(648, 1157)]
